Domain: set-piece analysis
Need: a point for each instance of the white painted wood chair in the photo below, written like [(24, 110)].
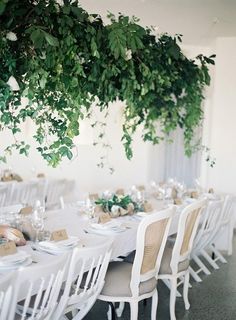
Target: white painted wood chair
[(175, 261), (225, 232), (41, 288), (25, 193), (55, 190), (85, 280), (6, 292), (205, 235), (126, 282), (5, 193)]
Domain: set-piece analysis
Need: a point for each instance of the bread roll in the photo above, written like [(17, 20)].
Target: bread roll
[(12, 234)]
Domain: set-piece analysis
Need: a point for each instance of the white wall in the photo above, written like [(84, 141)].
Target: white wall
[(220, 121), (84, 167)]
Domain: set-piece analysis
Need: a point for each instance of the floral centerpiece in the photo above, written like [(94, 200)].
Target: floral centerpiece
[(119, 205)]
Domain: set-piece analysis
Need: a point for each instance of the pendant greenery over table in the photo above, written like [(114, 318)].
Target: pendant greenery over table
[(62, 59)]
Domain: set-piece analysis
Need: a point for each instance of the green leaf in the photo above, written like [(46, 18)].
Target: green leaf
[(51, 39), (37, 38)]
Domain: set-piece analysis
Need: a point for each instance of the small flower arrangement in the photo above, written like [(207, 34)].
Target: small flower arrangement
[(118, 205)]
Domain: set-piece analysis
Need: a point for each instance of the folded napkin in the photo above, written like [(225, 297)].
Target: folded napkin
[(113, 224)]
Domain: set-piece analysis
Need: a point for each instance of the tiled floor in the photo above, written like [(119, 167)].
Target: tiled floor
[(213, 299)]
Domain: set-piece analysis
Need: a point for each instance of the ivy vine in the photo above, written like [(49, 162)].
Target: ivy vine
[(61, 59)]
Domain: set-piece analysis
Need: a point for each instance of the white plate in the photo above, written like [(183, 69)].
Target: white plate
[(16, 258), (106, 231), (57, 247), (111, 225), (24, 263)]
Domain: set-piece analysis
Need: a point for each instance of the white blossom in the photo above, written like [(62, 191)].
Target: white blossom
[(11, 36), (128, 55), (13, 84), (91, 19)]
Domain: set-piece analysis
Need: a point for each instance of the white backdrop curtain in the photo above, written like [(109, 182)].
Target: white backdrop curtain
[(179, 166)]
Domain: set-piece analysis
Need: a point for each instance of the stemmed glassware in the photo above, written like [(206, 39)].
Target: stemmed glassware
[(37, 221)]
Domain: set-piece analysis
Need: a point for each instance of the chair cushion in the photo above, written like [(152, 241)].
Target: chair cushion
[(165, 262), (117, 281)]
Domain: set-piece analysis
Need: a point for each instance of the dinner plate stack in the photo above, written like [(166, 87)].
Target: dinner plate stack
[(110, 227), (14, 261), (58, 247)]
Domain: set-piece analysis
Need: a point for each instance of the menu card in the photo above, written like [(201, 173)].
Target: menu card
[(7, 248), (26, 210), (59, 235), (104, 217)]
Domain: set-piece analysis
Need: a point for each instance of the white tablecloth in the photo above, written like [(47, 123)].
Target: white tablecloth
[(75, 225)]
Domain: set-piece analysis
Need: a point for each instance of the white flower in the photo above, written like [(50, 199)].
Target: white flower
[(11, 36), (128, 55), (13, 84), (60, 2), (91, 19)]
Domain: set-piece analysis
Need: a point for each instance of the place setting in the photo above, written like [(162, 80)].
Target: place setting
[(12, 258), (59, 242)]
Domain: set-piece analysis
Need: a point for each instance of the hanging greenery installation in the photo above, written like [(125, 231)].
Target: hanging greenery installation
[(56, 60)]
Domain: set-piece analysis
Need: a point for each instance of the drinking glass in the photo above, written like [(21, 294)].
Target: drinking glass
[(37, 222)]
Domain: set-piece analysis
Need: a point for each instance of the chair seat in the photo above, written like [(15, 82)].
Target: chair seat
[(166, 258), (117, 281)]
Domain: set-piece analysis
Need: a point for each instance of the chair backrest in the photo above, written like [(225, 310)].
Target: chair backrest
[(150, 243), (211, 217), (25, 192), (187, 228), (88, 267), (44, 283), (227, 211), (6, 292), (5, 193), (55, 189), (15, 208)]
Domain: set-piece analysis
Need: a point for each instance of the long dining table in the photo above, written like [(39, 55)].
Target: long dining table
[(77, 224)]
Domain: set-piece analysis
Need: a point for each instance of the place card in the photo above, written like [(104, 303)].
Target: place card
[(26, 210), (120, 192), (7, 248), (211, 190), (104, 217), (141, 188), (147, 207), (194, 194), (93, 196), (59, 235), (178, 201)]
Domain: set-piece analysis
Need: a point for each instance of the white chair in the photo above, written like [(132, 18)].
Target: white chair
[(175, 261), (126, 282), (6, 292), (25, 193), (85, 280), (5, 193), (38, 290), (225, 232), (54, 191), (205, 235)]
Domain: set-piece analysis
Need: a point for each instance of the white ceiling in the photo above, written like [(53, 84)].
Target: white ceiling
[(200, 21)]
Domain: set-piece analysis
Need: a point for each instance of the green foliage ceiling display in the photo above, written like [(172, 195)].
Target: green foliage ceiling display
[(61, 59)]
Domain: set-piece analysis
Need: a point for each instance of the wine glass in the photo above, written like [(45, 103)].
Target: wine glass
[(37, 222)]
